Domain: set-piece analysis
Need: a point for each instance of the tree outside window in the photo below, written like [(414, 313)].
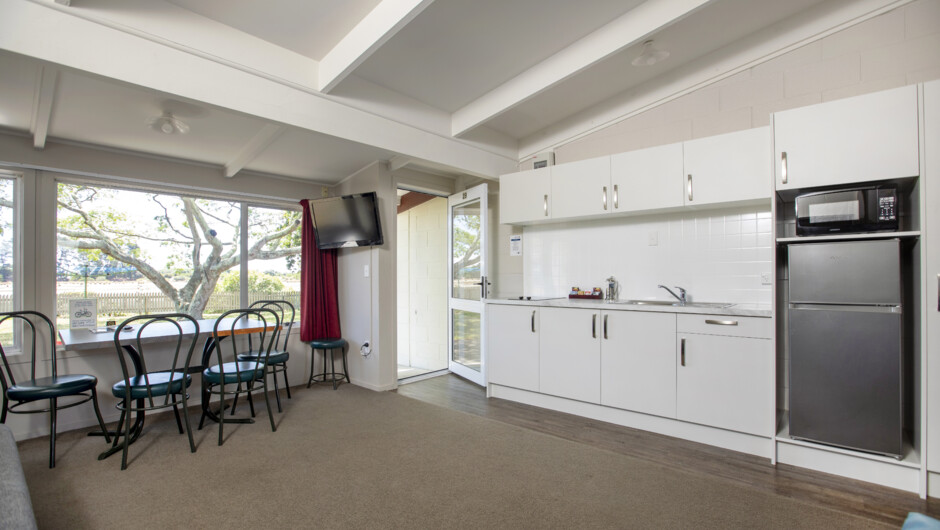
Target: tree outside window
[(140, 252)]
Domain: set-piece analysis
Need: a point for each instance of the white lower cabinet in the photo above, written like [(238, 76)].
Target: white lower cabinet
[(513, 346), (638, 362), (724, 379), (570, 353)]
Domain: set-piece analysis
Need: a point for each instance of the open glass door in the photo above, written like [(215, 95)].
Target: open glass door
[(467, 225)]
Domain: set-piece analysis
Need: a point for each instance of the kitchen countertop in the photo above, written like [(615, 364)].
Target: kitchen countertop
[(741, 310)]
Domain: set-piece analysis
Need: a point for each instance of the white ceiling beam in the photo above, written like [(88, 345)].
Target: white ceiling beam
[(253, 148), (380, 25), (397, 162), (82, 44), (628, 29), (42, 105)]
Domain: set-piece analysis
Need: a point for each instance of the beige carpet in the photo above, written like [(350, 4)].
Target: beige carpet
[(360, 459)]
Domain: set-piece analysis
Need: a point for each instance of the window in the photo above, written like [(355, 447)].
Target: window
[(9, 296), (147, 252)]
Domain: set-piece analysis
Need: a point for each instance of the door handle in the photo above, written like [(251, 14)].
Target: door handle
[(604, 197), (616, 197), (682, 351), (545, 204), (594, 325), (605, 326), (533, 321), (690, 187), (722, 322), (783, 167)]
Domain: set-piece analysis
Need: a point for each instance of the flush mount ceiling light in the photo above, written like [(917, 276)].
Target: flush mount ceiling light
[(169, 124), (649, 55)]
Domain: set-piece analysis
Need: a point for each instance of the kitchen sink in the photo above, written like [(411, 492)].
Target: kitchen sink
[(645, 302), (714, 305)]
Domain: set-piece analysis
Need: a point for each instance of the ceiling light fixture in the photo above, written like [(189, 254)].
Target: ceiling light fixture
[(169, 124), (649, 55)]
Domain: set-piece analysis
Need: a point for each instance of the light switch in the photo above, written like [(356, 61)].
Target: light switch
[(365, 271), (653, 238), (765, 278)]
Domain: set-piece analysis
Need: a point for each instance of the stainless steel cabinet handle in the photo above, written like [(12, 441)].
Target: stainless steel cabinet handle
[(682, 351), (605, 198), (722, 322), (938, 292), (605, 326), (616, 197), (783, 167), (690, 187), (533, 321), (594, 325), (545, 204)]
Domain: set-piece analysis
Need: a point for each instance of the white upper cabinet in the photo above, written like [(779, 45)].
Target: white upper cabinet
[(858, 139), (728, 168), (581, 188), (525, 197), (648, 179)]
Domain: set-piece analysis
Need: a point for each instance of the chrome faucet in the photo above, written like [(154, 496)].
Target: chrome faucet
[(611, 288), (680, 297)]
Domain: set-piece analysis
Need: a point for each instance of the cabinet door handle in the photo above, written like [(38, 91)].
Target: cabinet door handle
[(938, 292), (545, 204), (605, 198), (783, 167), (682, 351), (594, 325), (533, 321), (721, 322), (605, 326), (690, 187), (616, 197)]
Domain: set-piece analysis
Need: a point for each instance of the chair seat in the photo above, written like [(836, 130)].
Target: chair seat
[(51, 387), (159, 382), (276, 356), (234, 372), (328, 344)]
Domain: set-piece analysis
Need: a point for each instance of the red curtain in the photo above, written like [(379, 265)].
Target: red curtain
[(319, 313)]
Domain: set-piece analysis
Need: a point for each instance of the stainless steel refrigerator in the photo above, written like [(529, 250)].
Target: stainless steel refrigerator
[(845, 344)]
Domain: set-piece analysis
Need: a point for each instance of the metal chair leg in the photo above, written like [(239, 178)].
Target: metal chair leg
[(333, 366), (286, 384), (189, 428), (345, 366), (52, 413), (179, 424), (277, 394), (127, 429), (3, 412), (267, 402), (94, 400)]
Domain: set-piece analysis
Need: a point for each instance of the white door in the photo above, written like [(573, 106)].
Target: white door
[(467, 226)]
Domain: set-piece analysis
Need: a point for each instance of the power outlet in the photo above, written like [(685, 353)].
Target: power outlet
[(324, 191), (365, 271), (766, 279)]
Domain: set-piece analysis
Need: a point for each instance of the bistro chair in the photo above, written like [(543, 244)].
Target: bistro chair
[(277, 359), (145, 390), (230, 371), (51, 387)]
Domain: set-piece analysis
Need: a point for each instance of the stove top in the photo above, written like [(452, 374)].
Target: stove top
[(533, 298)]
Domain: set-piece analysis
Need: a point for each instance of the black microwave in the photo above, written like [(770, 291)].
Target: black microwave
[(864, 209)]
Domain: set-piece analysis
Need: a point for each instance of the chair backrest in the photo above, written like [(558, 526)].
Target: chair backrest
[(285, 311), (257, 324), (32, 323), (135, 333)]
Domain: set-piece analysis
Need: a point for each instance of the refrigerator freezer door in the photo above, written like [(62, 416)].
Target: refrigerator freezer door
[(846, 272), (845, 378)]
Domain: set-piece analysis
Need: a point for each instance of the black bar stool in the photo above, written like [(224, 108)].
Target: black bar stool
[(330, 345)]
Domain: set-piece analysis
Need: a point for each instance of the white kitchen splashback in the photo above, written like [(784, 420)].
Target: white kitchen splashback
[(718, 256)]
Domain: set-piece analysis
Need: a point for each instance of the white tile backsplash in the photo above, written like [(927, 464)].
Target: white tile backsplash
[(718, 256)]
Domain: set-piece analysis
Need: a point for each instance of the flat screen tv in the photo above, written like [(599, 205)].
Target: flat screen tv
[(347, 221)]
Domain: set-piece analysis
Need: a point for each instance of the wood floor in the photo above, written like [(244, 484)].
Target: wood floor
[(820, 489)]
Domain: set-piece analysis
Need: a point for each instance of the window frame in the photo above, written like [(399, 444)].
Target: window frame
[(244, 201), (17, 248)]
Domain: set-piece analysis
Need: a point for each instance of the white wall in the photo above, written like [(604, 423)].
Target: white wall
[(367, 306), (718, 256)]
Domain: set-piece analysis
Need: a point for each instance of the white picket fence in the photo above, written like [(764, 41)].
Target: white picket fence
[(144, 303)]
